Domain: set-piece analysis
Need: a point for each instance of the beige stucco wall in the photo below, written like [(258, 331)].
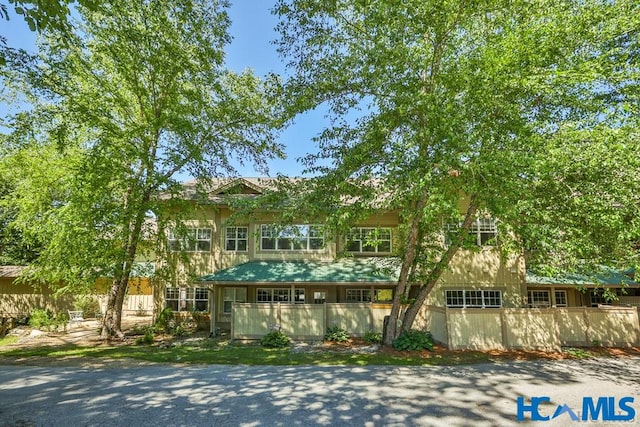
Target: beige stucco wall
[(484, 269)]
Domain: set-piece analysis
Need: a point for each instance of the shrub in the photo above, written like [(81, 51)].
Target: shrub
[(373, 337), (45, 319), (148, 337), (201, 320), (414, 340), (166, 320), (336, 333), (275, 339), (88, 304)]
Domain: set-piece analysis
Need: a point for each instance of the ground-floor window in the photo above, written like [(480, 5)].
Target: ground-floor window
[(364, 295), (462, 298), (561, 298), (280, 295), (539, 299), (187, 299), (231, 295)]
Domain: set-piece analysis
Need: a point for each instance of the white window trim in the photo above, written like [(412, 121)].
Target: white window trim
[(299, 297), (235, 239), (235, 297), (362, 231), (279, 236), (534, 300), (566, 300), (174, 241), (183, 297), (485, 295)]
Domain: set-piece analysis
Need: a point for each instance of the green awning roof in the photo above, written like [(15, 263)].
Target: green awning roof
[(606, 276), (348, 270)]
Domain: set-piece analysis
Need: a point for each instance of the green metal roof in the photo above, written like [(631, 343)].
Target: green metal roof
[(343, 270), (606, 276)]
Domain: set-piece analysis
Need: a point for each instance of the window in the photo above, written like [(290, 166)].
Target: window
[(358, 295), (561, 298), (280, 295), (236, 239), (473, 298), (231, 295), (319, 297), (187, 299), (291, 237), (483, 231), (539, 299), (196, 240), (368, 239)]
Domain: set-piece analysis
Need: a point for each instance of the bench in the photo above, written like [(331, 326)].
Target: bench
[(76, 316)]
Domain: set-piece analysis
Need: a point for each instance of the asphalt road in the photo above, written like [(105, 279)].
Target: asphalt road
[(478, 395)]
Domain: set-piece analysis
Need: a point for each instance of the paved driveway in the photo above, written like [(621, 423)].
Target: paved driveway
[(479, 395)]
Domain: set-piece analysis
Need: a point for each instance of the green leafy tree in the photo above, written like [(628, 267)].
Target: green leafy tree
[(137, 96), (522, 109)]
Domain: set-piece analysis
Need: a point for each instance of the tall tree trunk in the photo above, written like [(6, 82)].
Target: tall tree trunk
[(392, 330), (415, 307)]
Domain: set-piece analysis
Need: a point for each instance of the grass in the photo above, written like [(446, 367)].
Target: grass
[(222, 352), (9, 339)]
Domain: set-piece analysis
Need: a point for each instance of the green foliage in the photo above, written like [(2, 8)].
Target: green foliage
[(93, 157), (373, 337), (201, 320), (524, 110), (336, 333), (88, 304), (275, 339), (45, 319), (148, 336), (166, 320), (414, 340)]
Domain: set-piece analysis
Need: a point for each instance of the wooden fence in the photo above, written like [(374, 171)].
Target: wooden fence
[(305, 321), (479, 329)]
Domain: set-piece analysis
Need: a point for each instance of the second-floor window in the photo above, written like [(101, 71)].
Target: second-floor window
[(196, 240), (236, 239), (368, 239), (483, 231), (291, 237)]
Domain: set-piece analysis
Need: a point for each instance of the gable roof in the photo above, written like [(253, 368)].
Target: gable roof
[(346, 270), (606, 276)]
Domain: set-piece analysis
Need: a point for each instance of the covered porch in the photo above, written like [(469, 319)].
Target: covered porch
[(251, 298)]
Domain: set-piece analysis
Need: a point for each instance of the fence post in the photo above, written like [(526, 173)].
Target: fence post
[(585, 316), (503, 329), (447, 324)]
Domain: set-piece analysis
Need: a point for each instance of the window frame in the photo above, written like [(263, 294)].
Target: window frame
[(191, 242), (473, 298), (284, 296), (187, 299), (293, 237), (534, 299), (235, 298), (236, 239), (358, 235)]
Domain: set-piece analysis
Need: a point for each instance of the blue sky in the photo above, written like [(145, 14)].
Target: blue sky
[(253, 31)]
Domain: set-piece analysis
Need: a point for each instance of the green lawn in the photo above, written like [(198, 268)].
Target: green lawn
[(221, 352)]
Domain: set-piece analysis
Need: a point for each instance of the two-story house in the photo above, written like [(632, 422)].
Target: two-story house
[(261, 264)]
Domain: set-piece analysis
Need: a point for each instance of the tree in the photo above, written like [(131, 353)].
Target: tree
[(433, 100), (136, 97)]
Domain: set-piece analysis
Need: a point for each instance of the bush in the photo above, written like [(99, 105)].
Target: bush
[(148, 337), (45, 319), (88, 304), (166, 320), (275, 339), (336, 333), (373, 337), (414, 340)]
